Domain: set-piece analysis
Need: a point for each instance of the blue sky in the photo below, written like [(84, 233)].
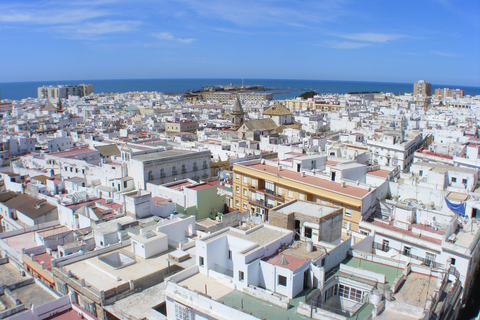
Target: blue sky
[(368, 40)]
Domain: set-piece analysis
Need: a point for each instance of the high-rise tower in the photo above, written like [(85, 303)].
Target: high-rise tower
[(422, 88)]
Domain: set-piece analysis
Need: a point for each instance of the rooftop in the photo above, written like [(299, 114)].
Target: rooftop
[(160, 155), (390, 272), (104, 277), (307, 208), (311, 180), (286, 261), (415, 290), (261, 235), (27, 240), (29, 206), (379, 173), (259, 308)]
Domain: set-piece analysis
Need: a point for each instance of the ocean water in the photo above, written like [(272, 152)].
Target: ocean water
[(282, 89)]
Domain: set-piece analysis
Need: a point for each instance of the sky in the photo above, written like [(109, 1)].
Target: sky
[(369, 40)]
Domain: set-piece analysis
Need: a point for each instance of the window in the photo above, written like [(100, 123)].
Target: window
[(182, 312), (229, 254), (407, 251), (420, 173), (237, 176), (308, 232), (348, 212), (429, 258), (269, 186), (237, 189), (245, 179), (201, 261), (244, 192), (301, 196), (245, 206), (385, 245), (282, 281), (124, 184), (452, 261), (464, 181), (290, 193), (240, 275), (454, 179)]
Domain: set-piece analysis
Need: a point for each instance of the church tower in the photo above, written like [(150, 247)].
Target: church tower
[(237, 115)]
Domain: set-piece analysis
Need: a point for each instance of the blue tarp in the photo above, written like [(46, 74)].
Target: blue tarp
[(457, 208)]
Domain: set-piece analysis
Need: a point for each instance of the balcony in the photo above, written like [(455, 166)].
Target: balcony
[(425, 261), (184, 171), (162, 175), (267, 192), (174, 172), (261, 203)]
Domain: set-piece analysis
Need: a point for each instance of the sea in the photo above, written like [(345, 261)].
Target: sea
[(281, 88)]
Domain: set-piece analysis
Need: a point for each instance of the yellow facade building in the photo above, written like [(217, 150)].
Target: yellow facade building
[(259, 187)]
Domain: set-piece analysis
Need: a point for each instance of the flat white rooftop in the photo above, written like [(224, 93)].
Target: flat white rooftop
[(304, 207)]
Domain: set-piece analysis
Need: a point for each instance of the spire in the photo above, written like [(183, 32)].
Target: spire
[(237, 107)]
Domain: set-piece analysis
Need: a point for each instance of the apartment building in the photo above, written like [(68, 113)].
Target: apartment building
[(422, 88), (394, 149), (162, 166), (259, 186)]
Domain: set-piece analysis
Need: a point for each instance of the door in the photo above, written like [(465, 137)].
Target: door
[(297, 229), (306, 279)]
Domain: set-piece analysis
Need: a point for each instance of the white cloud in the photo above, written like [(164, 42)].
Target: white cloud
[(371, 37), (99, 28), (167, 36), (271, 13), (445, 54), (345, 44), (50, 16)]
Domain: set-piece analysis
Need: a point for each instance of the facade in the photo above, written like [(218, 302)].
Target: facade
[(64, 91), (182, 126), (393, 149), (422, 88), (164, 166), (309, 221), (448, 93), (443, 242), (259, 187), (226, 97), (302, 104)]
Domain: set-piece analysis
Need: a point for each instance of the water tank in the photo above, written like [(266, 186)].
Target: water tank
[(376, 297), (309, 246)]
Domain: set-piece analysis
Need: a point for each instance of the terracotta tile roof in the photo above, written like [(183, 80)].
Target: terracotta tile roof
[(286, 261), (277, 110), (311, 180)]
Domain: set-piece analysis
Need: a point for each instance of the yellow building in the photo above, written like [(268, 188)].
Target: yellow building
[(300, 104), (259, 187)]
